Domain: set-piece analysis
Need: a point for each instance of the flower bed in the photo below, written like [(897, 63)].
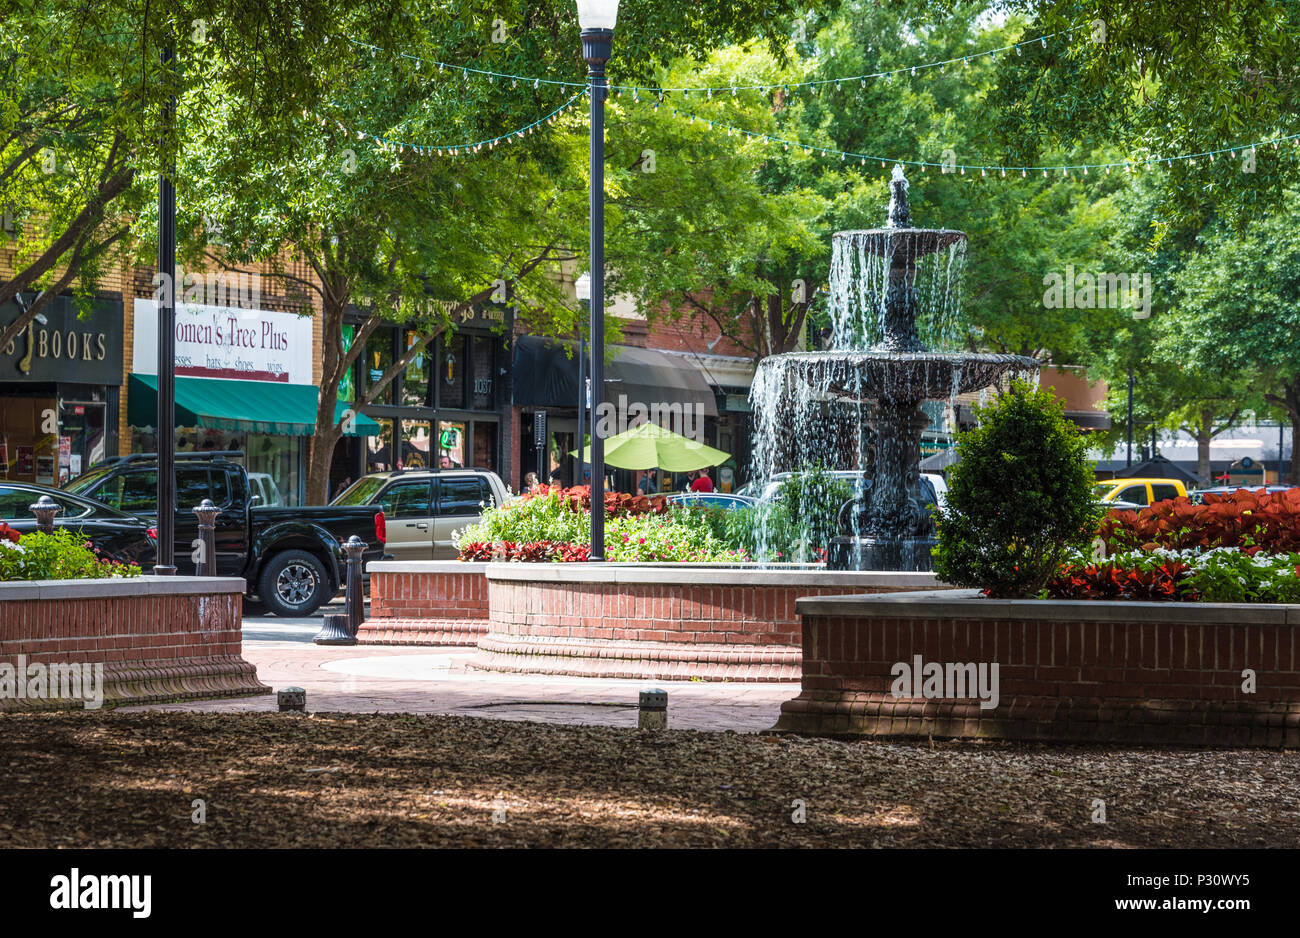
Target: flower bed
[(1241, 519), (552, 525), (62, 555), (1243, 547), (1219, 575)]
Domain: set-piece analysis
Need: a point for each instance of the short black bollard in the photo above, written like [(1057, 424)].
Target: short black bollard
[(205, 546), (652, 712), (45, 509), (355, 595)]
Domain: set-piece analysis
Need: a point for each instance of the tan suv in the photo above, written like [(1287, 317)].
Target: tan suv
[(423, 508)]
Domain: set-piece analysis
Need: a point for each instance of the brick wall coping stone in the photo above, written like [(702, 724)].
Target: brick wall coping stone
[(149, 585), (426, 566), (969, 604), (706, 575)]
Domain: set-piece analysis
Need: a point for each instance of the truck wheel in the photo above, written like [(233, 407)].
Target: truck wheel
[(293, 583)]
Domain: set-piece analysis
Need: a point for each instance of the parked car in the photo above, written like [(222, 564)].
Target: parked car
[(1197, 497), (1141, 492), (288, 556), (937, 484), (424, 508), (711, 500), (118, 535)]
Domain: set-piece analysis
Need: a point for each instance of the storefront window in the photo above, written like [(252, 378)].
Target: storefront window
[(379, 358), (484, 372), (275, 468), (415, 385), (348, 383), (451, 445), (379, 448), (415, 445), (451, 372), (276, 465)]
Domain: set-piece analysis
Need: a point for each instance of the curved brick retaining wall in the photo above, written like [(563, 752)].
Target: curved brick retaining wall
[(157, 638), (1068, 671), (658, 621), (425, 602)]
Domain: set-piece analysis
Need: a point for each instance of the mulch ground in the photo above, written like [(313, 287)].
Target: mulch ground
[(103, 779)]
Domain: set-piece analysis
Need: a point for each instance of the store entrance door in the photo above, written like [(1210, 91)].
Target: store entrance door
[(81, 437), (563, 434)]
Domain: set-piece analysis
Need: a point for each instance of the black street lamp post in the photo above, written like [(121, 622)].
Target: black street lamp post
[(597, 19), (165, 561)]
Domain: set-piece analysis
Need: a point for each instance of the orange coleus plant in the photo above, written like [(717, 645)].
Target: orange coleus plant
[(578, 498), (1243, 519)]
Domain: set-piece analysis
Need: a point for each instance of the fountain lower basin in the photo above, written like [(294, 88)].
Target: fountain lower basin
[(900, 376)]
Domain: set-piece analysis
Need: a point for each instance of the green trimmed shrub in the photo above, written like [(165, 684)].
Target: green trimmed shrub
[(1020, 497)]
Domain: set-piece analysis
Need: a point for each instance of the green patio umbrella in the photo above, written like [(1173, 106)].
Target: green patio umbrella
[(650, 446)]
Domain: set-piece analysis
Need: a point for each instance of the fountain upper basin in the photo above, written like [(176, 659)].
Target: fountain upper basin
[(860, 376), (886, 242)]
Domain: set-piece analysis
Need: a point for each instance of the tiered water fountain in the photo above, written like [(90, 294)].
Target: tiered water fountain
[(869, 388)]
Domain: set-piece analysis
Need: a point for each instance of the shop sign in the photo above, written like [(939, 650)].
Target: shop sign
[(228, 342), (58, 346)]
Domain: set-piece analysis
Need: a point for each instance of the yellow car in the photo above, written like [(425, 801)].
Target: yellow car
[(1141, 492)]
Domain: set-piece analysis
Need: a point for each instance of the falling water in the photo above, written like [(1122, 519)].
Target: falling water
[(895, 296)]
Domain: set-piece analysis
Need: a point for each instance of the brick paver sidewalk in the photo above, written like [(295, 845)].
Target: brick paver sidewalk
[(370, 679)]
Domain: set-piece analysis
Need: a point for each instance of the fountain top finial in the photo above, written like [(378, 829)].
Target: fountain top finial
[(900, 215)]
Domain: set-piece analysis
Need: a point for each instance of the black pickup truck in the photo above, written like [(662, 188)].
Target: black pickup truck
[(288, 556)]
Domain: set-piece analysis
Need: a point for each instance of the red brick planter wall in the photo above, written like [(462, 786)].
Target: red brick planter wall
[(1068, 671), (158, 638), (673, 622), (426, 603)]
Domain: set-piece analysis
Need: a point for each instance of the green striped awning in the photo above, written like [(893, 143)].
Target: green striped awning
[(226, 404)]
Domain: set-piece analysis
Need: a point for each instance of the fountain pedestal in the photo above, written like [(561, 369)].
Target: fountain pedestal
[(892, 527)]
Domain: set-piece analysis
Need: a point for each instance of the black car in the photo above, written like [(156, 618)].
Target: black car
[(118, 535), (289, 556)]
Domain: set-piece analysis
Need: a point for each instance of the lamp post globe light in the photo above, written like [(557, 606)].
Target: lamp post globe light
[(597, 19)]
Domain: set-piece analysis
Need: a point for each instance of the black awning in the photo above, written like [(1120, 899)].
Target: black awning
[(546, 375)]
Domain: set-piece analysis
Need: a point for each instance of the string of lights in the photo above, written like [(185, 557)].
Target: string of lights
[(466, 71), (984, 169), (453, 149)]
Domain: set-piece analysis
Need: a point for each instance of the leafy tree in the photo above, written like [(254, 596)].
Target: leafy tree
[(1239, 309), (1159, 78), (82, 131)]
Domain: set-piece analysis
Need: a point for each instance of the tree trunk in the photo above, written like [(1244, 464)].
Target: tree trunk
[(328, 431)]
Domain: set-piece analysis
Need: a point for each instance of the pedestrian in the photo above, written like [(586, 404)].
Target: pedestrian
[(684, 482), (531, 482), (343, 486), (647, 485), (702, 482)]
